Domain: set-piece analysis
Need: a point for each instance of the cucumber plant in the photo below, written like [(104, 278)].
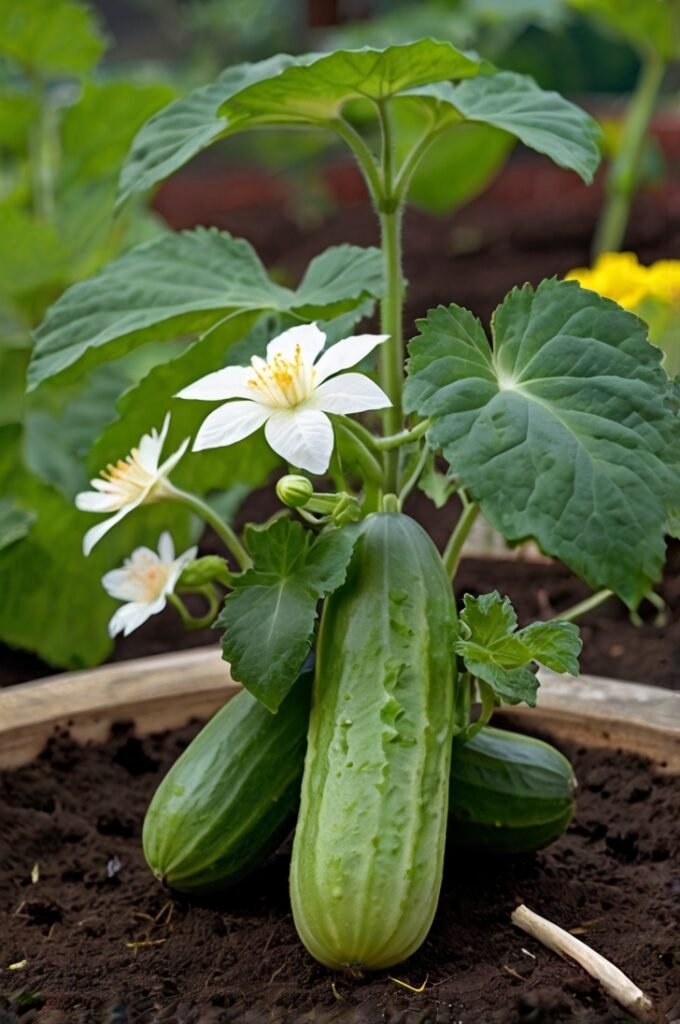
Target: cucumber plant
[(561, 428)]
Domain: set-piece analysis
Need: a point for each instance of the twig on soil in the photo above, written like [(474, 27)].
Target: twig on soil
[(612, 980), (142, 943), (411, 988), (513, 973), (338, 995), (581, 929)]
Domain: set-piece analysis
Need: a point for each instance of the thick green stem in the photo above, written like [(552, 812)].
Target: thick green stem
[(41, 150), (454, 548), (577, 610), (209, 516), (623, 174), (386, 444), (414, 477), (192, 621)]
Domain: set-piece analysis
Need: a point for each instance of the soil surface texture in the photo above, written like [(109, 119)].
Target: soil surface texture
[(94, 938)]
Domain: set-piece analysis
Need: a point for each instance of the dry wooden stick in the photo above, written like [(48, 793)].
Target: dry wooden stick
[(612, 980)]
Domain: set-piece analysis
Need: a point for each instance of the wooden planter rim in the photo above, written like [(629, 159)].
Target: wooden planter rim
[(168, 690)]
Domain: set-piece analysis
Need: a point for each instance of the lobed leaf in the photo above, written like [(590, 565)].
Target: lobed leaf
[(269, 617), (181, 285), (561, 431), (51, 37), (310, 89), (15, 523), (495, 651), (542, 120)]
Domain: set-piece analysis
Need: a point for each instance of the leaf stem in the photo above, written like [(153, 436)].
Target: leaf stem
[(361, 449), (453, 550), (386, 444), (622, 179), (488, 708), (412, 480), (208, 515), (192, 621), (363, 156), (575, 612)]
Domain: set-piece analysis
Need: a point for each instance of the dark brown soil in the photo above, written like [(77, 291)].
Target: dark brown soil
[(97, 939)]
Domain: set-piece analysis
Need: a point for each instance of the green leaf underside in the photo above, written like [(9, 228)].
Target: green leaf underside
[(181, 285), (307, 90), (498, 653), (15, 523), (269, 618), (561, 432), (543, 121)]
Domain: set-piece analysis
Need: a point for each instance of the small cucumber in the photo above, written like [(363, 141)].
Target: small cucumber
[(368, 852), (509, 793), (231, 796)]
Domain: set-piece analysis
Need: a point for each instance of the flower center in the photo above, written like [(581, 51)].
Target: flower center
[(283, 381), (149, 576), (127, 477)]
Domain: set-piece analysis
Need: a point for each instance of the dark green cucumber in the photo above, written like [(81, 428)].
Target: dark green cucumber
[(509, 793), (369, 845), (231, 796)]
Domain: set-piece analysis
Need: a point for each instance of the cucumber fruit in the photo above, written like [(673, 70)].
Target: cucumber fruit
[(369, 845), (508, 794), (231, 796)]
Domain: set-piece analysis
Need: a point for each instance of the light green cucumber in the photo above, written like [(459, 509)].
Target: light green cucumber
[(231, 796), (369, 845), (508, 794)]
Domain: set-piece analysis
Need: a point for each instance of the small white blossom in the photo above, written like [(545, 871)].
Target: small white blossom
[(289, 393), (136, 480), (144, 581)]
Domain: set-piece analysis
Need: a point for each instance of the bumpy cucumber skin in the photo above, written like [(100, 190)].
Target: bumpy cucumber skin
[(369, 846), (509, 793), (231, 796)]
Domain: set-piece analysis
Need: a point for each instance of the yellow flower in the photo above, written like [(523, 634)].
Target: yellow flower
[(664, 280), (616, 275)]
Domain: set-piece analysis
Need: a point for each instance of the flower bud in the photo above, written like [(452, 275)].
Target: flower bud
[(294, 491)]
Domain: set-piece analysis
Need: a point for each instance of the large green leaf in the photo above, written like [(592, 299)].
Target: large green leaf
[(51, 37), (181, 285), (269, 617), (307, 90), (18, 113), (542, 120), (497, 652), (51, 598), (646, 24), (560, 431)]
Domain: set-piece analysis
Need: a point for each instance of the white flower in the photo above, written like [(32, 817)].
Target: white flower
[(289, 393), (144, 582), (136, 480)]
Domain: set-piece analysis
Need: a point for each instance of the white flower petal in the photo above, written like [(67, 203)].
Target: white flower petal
[(308, 336), (231, 382), (95, 533), (173, 459), (151, 445), (133, 615), (348, 392), (166, 547), (97, 501), (178, 569), (347, 353), (230, 423), (119, 583), (303, 437)]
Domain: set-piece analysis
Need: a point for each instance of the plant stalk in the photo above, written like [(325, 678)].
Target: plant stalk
[(209, 516), (623, 174), (577, 610), (454, 548)]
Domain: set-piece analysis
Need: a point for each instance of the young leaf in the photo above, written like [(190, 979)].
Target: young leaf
[(269, 617), (499, 654), (51, 37), (561, 432), (542, 120), (435, 485), (183, 284), (307, 90)]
